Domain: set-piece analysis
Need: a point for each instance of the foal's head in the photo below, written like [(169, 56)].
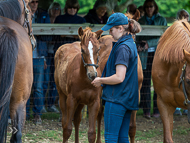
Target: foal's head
[(90, 50)]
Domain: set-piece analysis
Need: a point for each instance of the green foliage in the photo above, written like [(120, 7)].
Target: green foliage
[(166, 8)]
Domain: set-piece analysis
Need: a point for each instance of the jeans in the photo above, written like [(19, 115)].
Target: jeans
[(145, 90), (47, 74), (38, 73), (52, 94), (116, 122)]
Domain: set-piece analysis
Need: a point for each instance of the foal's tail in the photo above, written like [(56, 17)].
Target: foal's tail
[(8, 58)]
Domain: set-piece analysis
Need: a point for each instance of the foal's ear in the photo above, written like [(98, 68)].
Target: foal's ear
[(99, 33), (112, 11), (186, 55), (80, 32)]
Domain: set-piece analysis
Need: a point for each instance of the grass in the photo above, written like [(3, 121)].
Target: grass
[(55, 136)]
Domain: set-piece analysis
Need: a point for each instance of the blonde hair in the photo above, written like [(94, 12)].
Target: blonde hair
[(54, 4)]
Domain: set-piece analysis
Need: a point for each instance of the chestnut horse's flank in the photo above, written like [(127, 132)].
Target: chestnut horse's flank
[(170, 81), (16, 74), (76, 65)]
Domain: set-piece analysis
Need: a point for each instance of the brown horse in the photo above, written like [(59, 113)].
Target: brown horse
[(105, 49), (171, 74), (76, 65), (16, 74)]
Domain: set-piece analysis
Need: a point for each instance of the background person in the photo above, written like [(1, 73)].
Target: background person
[(39, 64), (141, 9), (146, 53), (97, 15), (131, 8), (53, 11), (71, 9), (119, 77)]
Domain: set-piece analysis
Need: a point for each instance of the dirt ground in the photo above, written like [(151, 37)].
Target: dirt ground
[(145, 127)]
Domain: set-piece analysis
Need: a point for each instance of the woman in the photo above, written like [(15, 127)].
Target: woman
[(97, 15), (53, 11), (146, 53), (119, 78), (71, 9)]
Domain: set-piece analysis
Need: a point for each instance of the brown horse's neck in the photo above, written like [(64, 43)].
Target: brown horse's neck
[(82, 71)]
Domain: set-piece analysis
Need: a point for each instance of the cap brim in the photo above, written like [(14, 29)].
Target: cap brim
[(106, 27)]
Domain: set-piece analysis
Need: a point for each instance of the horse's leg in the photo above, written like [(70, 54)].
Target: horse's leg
[(18, 114), (21, 91), (93, 113), (166, 112), (77, 120), (132, 127), (99, 119), (71, 107), (62, 104)]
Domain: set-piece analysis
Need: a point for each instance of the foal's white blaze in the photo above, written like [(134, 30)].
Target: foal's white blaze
[(90, 49)]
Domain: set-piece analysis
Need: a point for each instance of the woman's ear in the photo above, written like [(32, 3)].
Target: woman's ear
[(121, 28)]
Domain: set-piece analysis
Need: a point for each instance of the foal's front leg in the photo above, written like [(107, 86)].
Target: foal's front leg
[(93, 113), (71, 107), (77, 120), (132, 127)]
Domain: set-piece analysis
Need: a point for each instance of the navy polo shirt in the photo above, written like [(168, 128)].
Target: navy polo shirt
[(126, 93)]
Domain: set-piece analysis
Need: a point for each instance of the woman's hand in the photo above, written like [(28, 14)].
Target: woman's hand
[(146, 45), (96, 82), (143, 46)]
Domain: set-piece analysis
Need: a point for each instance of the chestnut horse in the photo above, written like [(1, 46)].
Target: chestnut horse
[(16, 73), (76, 65), (171, 74)]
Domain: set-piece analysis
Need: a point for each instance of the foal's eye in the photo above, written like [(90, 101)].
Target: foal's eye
[(188, 81)]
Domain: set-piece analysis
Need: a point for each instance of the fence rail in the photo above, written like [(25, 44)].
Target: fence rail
[(72, 29)]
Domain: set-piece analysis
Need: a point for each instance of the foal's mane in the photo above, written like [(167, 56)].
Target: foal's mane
[(10, 9), (173, 41), (88, 34)]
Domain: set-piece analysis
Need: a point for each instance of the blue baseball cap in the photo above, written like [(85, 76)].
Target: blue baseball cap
[(114, 20)]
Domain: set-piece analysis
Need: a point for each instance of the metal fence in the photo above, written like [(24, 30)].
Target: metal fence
[(50, 119)]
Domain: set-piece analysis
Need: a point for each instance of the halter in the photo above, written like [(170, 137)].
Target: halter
[(27, 24), (86, 64), (182, 77), (26, 20)]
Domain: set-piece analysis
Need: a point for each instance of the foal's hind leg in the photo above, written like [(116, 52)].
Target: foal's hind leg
[(132, 127), (99, 119), (77, 120)]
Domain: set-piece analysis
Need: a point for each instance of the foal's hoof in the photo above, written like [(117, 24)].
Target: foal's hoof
[(147, 116)]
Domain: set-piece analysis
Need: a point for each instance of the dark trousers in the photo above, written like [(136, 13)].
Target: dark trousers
[(116, 123), (146, 91)]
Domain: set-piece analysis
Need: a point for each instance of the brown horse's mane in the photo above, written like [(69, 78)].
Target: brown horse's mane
[(173, 41), (87, 35), (10, 9)]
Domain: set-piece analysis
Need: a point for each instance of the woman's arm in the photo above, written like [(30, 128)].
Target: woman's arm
[(114, 79)]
